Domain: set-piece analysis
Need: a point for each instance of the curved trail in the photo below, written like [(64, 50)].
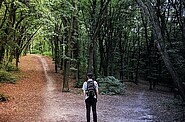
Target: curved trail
[(68, 107), (59, 106)]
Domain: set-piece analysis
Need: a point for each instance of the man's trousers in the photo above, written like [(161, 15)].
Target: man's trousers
[(91, 102)]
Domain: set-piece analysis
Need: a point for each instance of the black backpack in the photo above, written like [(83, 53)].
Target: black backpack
[(91, 90)]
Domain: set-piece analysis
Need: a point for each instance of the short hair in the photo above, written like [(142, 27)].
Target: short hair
[(90, 74)]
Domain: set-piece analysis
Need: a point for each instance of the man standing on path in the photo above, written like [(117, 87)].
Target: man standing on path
[(90, 90)]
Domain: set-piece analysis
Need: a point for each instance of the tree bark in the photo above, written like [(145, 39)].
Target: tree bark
[(2, 51), (56, 48), (147, 9), (171, 69), (1, 1), (68, 54), (183, 37), (95, 28)]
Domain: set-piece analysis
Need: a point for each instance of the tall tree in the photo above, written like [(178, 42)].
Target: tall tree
[(149, 11)]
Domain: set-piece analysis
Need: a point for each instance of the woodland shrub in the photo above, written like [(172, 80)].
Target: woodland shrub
[(7, 77), (11, 67), (111, 86), (47, 54), (35, 52)]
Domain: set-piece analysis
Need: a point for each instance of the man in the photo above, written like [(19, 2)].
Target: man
[(90, 101)]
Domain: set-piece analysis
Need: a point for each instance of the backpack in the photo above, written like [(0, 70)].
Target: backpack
[(91, 91)]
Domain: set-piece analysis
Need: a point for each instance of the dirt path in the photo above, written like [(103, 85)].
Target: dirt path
[(26, 96), (37, 97), (70, 107)]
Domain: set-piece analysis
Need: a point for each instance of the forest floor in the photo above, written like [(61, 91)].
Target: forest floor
[(37, 97)]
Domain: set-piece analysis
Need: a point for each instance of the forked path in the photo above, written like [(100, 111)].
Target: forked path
[(37, 97), (69, 107)]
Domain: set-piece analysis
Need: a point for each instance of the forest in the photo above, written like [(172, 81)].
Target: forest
[(132, 40)]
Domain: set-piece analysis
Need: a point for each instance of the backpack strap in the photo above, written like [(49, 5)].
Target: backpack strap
[(93, 86), (88, 82)]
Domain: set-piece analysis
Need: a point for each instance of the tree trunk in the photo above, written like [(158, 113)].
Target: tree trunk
[(1, 3), (90, 59), (95, 28), (65, 76), (56, 48), (148, 10), (183, 37), (77, 49), (68, 54), (171, 70), (2, 51), (17, 59), (121, 48)]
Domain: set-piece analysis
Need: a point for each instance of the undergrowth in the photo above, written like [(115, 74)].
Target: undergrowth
[(111, 86), (7, 77)]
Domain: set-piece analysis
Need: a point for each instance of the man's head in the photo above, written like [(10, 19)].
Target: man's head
[(90, 75)]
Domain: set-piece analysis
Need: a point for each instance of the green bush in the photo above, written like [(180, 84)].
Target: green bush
[(35, 51), (111, 86), (47, 54), (7, 77), (11, 67)]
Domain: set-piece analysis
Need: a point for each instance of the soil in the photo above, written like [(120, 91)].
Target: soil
[(37, 97)]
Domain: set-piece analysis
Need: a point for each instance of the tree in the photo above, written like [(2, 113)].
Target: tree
[(149, 11)]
